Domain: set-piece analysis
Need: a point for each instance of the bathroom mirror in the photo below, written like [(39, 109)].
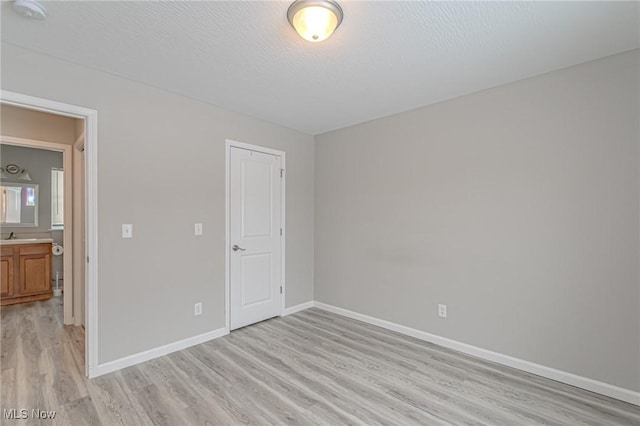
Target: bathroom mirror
[(18, 204)]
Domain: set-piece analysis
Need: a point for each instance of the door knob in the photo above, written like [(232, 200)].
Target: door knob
[(236, 248)]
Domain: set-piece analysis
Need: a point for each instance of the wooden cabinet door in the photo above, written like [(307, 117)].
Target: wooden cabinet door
[(6, 276), (35, 273), (25, 273)]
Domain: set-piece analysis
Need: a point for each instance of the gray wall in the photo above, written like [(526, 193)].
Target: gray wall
[(516, 206), (38, 162), (161, 167)]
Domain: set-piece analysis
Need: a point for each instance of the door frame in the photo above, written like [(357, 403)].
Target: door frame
[(90, 117), (227, 233)]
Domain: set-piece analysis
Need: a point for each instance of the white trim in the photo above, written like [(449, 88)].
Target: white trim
[(227, 237), (90, 117), (520, 364), (298, 308), (134, 359), (256, 148), (283, 237), (91, 235)]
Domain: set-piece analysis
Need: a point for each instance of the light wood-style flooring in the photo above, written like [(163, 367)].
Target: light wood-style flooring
[(309, 368)]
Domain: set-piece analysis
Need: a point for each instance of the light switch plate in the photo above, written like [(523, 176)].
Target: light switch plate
[(198, 229), (127, 230), (442, 311)]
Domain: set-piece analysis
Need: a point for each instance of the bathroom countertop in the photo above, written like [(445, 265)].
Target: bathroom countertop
[(25, 241)]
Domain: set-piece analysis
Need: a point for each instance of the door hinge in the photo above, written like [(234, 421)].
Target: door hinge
[(281, 232), (87, 259), (280, 289), (281, 172)]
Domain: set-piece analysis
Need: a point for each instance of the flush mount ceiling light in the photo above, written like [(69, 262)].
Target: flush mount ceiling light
[(30, 9), (315, 20)]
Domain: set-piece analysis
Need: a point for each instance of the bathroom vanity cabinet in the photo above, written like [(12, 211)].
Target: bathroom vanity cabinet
[(25, 271)]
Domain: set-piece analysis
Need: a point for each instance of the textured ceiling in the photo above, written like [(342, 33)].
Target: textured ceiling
[(387, 57)]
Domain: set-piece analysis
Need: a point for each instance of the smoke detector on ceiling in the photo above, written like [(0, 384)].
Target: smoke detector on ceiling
[(30, 9)]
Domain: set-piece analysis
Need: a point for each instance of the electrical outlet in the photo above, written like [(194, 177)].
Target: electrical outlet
[(197, 308), (198, 229), (442, 311)]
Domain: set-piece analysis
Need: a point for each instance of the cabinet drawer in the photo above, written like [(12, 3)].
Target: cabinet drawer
[(35, 249)]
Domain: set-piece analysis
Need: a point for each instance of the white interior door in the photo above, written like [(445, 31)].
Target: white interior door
[(255, 236)]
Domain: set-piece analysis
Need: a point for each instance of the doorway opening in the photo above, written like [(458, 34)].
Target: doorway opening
[(49, 233)]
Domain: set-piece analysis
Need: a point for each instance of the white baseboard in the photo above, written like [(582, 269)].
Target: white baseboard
[(530, 367), (134, 359), (520, 364), (298, 308)]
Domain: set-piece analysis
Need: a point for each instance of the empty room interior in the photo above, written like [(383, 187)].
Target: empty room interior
[(320, 212)]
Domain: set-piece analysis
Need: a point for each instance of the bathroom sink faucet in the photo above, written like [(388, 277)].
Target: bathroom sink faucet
[(12, 236)]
